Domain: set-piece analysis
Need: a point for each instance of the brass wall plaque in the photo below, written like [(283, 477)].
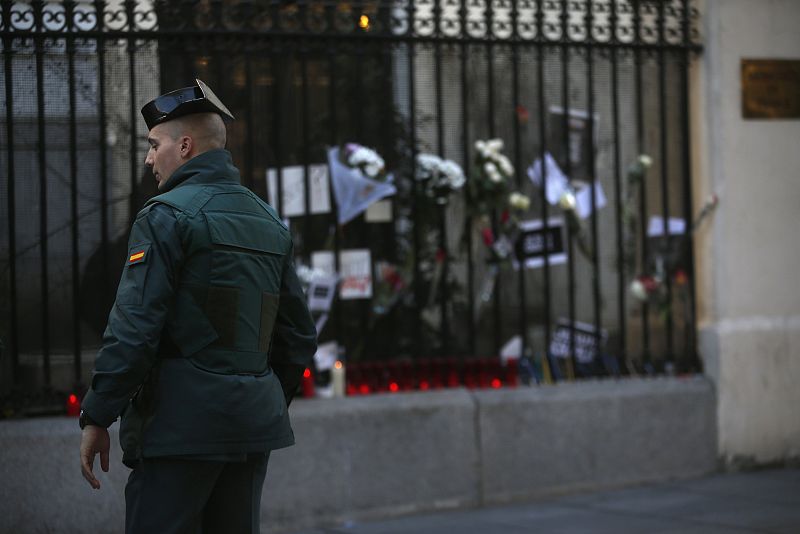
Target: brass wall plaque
[(770, 89)]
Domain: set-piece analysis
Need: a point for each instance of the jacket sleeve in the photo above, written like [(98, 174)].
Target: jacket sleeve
[(143, 301), (294, 339)]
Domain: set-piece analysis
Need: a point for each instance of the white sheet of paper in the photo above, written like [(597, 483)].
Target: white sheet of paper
[(294, 190), (583, 199), (512, 350), (557, 181), (321, 292), (324, 261), (655, 226), (380, 212), (356, 274)]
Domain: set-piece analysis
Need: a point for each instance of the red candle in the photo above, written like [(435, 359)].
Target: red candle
[(73, 405), (308, 384)]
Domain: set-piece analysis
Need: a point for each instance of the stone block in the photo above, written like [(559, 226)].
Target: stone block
[(374, 456), (591, 435)]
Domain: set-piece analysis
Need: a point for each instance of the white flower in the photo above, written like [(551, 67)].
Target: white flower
[(645, 161), (567, 201), (429, 164), (638, 290), (491, 171), (363, 156), (518, 201), (505, 165), (495, 146), (453, 174)]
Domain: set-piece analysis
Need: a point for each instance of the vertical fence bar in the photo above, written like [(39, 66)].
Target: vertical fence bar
[(391, 127), (333, 52), (621, 269), (637, 51), (42, 160), (73, 167), (249, 158), (134, 203), (498, 285), (690, 350), (466, 158), (523, 305), (304, 119), (662, 107), (412, 130), (364, 306), (103, 145), (572, 368), (275, 60), (336, 306), (8, 56), (592, 167), (540, 49), (445, 329)]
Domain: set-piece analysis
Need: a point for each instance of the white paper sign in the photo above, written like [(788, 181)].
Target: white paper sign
[(655, 226), (324, 261), (512, 350), (583, 199), (320, 293), (356, 274), (588, 342), (557, 181), (294, 190), (558, 184), (380, 212), (531, 242)]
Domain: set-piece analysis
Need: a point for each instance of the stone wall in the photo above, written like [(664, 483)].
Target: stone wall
[(384, 455)]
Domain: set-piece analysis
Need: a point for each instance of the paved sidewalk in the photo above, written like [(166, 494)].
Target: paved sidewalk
[(765, 501)]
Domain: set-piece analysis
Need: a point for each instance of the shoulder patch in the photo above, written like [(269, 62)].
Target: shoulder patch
[(138, 254)]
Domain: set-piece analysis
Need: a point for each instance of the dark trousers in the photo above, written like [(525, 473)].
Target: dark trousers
[(180, 496)]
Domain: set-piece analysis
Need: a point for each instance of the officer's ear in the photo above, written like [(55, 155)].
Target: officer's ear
[(185, 146)]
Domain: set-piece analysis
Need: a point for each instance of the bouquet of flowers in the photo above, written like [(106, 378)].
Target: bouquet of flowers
[(489, 186), (439, 177), (359, 178), (367, 160), (489, 193), (664, 268)]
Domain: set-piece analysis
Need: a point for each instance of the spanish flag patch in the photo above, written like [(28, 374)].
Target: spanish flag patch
[(138, 254)]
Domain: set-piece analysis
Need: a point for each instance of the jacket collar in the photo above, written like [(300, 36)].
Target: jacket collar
[(213, 166)]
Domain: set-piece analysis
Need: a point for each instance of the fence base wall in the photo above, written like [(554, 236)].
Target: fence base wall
[(384, 455)]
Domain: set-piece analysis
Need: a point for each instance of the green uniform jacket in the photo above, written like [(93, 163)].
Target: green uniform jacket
[(210, 333)]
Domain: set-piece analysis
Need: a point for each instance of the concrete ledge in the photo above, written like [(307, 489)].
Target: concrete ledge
[(573, 437), (385, 455), (374, 456)]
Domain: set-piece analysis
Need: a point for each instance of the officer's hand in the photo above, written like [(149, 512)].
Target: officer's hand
[(94, 440)]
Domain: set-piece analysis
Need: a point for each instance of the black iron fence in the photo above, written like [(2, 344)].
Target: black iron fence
[(594, 275)]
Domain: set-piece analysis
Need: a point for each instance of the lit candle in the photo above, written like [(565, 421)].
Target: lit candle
[(308, 384), (338, 379)]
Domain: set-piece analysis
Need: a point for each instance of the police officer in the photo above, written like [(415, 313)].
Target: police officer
[(207, 339)]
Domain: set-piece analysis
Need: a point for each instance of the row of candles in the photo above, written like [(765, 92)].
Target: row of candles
[(422, 375), (397, 376)]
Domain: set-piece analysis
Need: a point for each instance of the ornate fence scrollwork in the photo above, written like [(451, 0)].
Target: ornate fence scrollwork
[(672, 23)]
